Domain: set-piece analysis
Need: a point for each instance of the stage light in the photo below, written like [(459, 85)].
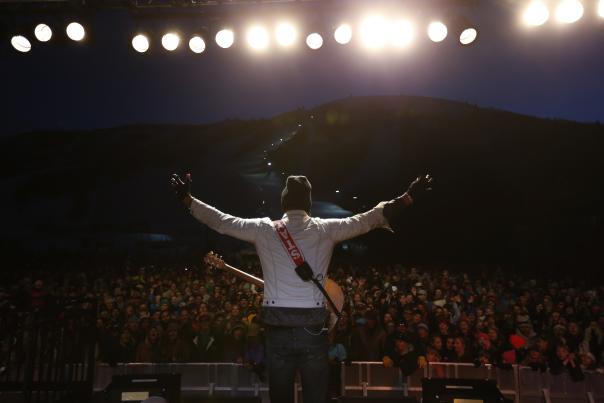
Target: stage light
[(21, 43), (468, 36), (257, 38), (140, 43), (373, 32), (197, 44), (343, 34), (401, 33), (536, 13), (43, 32), (225, 38), (569, 11), (601, 8), (285, 34), (75, 31), (437, 31), (170, 41), (314, 41)]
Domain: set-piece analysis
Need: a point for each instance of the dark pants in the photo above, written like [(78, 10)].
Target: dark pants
[(295, 349)]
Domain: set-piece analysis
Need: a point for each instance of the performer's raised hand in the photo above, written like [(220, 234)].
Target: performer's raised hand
[(182, 189), (420, 187)]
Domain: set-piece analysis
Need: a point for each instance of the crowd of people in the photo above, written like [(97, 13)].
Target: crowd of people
[(401, 316)]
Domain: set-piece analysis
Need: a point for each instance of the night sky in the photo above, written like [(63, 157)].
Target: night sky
[(551, 71)]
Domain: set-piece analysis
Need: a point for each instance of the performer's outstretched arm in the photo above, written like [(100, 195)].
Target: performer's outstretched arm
[(381, 216), (244, 229)]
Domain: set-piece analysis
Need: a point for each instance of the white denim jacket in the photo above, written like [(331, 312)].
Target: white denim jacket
[(315, 237)]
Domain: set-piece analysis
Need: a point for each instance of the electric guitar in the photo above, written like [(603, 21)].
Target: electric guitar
[(333, 290)]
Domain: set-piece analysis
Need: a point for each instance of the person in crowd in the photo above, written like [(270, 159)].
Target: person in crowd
[(565, 360), (149, 350), (336, 355), (234, 345), (369, 339), (136, 307), (404, 356), (461, 350)]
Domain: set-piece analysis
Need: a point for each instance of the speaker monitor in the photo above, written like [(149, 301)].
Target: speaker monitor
[(138, 388), (461, 391)]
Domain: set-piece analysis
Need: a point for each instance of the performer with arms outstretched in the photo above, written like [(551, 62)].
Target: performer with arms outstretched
[(294, 309)]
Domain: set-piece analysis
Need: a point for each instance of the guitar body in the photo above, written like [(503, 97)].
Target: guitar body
[(337, 296)]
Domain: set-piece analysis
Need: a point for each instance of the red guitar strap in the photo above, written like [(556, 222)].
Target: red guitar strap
[(296, 255), (288, 243)]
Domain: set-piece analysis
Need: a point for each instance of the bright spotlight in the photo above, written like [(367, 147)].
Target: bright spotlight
[(569, 11), (140, 43), (314, 41), (437, 31), (468, 36), (21, 43), (170, 41), (536, 13), (225, 38), (401, 33), (43, 32), (285, 34), (75, 31), (601, 8), (257, 38), (343, 34), (197, 44), (373, 32)]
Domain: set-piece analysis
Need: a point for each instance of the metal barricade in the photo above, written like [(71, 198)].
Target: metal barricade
[(203, 378), (372, 379)]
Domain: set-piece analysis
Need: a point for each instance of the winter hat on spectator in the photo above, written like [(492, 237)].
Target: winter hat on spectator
[(509, 357), (517, 342), (373, 315), (423, 326), (402, 336), (523, 320), (297, 194), (482, 336)]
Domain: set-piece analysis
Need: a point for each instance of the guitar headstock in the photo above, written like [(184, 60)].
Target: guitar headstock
[(213, 260)]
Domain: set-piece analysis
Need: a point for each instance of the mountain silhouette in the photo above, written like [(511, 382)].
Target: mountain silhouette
[(507, 186)]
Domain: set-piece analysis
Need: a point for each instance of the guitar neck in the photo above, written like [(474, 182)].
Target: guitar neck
[(245, 276)]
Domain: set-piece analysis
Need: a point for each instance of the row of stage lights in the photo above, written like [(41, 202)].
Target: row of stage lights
[(374, 32), (538, 13), (43, 33)]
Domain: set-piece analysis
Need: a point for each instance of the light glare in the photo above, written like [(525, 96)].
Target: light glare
[(314, 41), (468, 36), (569, 11), (257, 38), (601, 8), (170, 41), (536, 13), (20, 43), (75, 31), (373, 32), (140, 43), (401, 33), (43, 32), (343, 34), (197, 44), (285, 34), (225, 38), (437, 31)]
